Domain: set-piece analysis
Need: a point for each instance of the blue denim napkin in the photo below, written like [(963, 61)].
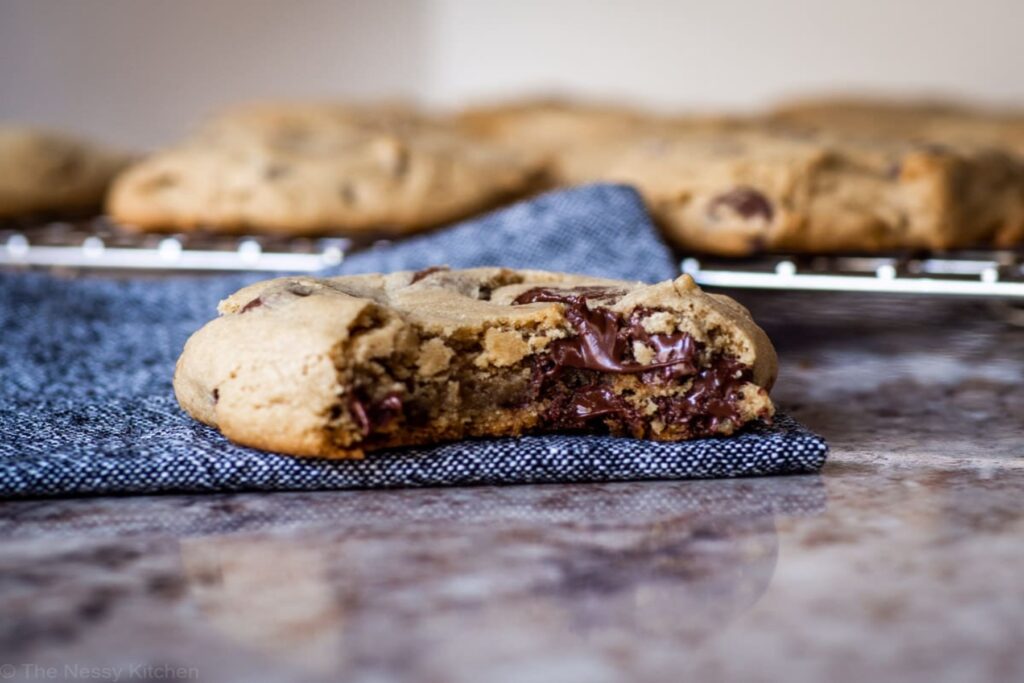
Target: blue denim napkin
[(86, 405)]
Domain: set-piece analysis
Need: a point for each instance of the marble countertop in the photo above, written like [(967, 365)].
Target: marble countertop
[(901, 561)]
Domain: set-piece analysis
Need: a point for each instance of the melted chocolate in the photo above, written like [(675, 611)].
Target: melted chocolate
[(420, 274), (372, 415), (712, 399), (674, 354), (571, 378), (297, 288), (746, 201), (255, 303), (604, 341), (604, 344), (567, 295), (574, 409)]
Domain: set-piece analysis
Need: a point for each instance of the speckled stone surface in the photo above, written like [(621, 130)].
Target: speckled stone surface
[(902, 561)]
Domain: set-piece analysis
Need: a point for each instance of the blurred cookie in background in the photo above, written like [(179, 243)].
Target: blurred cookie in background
[(291, 122), (745, 190), (308, 169), (549, 129), (863, 114), (45, 172), (941, 121)]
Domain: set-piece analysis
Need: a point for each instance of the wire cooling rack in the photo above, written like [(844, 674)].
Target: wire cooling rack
[(98, 244), (987, 274)]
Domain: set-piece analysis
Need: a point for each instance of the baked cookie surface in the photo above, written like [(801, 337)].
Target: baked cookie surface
[(936, 121), (309, 169), (340, 366), (549, 129), (51, 173), (748, 191)]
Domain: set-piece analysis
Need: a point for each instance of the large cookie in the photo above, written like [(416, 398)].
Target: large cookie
[(318, 170), (335, 367), (43, 172), (757, 189)]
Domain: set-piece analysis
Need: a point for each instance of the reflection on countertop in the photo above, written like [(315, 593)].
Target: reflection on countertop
[(900, 562)]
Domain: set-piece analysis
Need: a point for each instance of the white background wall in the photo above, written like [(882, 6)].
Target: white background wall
[(140, 71)]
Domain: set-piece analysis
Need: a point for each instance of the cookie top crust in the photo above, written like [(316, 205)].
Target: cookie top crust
[(460, 302), (667, 157), (45, 171), (318, 169), (549, 123), (864, 114), (550, 128), (938, 121), (298, 125)]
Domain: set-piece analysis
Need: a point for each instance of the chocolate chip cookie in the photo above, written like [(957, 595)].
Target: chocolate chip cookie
[(340, 366), (51, 173), (316, 169), (752, 190)]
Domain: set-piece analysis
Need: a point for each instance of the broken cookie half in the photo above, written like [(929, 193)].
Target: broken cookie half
[(339, 366)]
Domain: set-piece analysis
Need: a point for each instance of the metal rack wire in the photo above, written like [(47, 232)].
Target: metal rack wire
[(98, 244), (987, 274)]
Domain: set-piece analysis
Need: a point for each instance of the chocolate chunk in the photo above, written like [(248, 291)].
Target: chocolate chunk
[(275, 171), (746, 201), (574, 409), (67, 168), (360, 416), (604, 344), (420, 274), (255, 303), (567, 295), (713, 397), (299, 289), (674, 353), (604, 340), (348, 193), (675, 356), (597, 346), (372, 415), (758, 244)]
